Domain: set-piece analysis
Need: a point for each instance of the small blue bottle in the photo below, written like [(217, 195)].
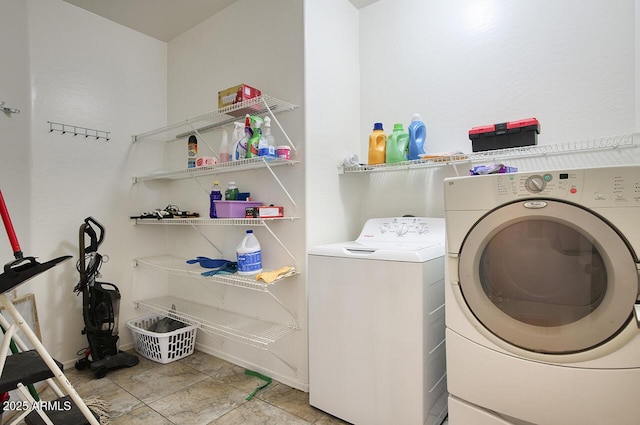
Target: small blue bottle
[(417, 137), (216, 195)]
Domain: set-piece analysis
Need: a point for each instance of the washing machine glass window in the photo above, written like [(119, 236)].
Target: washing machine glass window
[(555, 278)]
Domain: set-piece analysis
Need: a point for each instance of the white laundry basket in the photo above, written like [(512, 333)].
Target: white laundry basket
[(162, 347)]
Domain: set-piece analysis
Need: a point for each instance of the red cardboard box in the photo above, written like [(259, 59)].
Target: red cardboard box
[(236, 94), (264, 212)]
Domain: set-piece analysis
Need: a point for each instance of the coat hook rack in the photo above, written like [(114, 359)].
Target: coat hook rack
[(78, 131), (7, 110)]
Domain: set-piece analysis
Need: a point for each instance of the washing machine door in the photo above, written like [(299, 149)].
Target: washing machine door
[(548, 276)]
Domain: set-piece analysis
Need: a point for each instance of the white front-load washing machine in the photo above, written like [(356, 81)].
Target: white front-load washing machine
[(542, 297), (376, 324)]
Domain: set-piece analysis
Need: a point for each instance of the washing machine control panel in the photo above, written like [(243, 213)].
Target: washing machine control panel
[(405, 229)]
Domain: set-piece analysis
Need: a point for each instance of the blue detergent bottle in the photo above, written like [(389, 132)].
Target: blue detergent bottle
[(215, 195), (417, 137)]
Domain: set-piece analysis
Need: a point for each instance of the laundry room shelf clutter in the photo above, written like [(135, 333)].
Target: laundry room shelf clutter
[(201, 307), (610, 151)]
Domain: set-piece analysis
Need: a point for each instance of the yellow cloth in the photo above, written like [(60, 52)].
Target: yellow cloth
[(274, 275)]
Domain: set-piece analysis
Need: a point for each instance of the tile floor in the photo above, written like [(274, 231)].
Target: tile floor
[(197, 390)]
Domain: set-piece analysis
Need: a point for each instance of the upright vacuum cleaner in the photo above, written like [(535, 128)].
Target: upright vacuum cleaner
[(100, 307)]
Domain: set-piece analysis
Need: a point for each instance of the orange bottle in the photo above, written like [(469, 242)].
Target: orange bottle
[(377, 145)]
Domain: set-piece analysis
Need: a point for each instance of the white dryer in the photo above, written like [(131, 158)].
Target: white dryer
[(541, 302), (376, 324)]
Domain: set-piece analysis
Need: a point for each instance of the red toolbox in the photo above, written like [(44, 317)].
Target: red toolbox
[(511, 134)]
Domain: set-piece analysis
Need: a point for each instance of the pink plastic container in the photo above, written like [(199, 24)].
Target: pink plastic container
[(234, 209)]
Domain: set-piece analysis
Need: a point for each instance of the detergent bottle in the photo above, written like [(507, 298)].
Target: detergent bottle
[(254, 140), (242, 147), (377, 145), (215, 195), (397, 144), (238, 133), (417, 137), (249, 255), (231, 194), (225, 154)]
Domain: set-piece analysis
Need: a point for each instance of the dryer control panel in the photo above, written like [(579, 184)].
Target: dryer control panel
[(548, 184), (605, 186)]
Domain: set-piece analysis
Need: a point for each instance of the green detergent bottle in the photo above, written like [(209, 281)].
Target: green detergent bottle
[(397, 145)]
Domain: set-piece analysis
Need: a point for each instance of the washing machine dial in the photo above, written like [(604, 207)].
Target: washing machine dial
[(535, 184), (402, 229)]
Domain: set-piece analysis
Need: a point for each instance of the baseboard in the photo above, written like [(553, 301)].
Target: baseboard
[(248, 365)]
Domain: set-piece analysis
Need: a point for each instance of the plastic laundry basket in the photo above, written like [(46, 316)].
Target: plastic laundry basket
[(162, 347)]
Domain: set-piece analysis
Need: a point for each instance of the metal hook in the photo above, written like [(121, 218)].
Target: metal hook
[(7, 110)]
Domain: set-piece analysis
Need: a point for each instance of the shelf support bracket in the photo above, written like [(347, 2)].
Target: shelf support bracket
[(284, 189), (266, 226), (206, 239), (289, 365), (279, 125), (284, 307)]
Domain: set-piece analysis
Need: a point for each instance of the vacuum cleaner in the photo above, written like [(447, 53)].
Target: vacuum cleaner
[(100, 307)]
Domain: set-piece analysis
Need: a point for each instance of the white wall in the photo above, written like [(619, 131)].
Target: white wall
[(569, 63), (90, 72), (14, 128), (332, 93)]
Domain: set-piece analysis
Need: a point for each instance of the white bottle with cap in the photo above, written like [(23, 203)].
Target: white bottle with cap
[(249, 255)]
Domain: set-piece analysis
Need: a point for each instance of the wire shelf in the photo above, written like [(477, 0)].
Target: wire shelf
[(590, 145), (211, 221), (208, 170), (179, 267), (251, 331), (258, 106)]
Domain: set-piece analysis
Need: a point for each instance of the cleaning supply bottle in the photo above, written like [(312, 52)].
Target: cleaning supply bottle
[(377, 145), (238, 133), (249, 255), (417, 137), (225, 154), (271, 141), (263, 143), (397, 144), (192, 151), (216, 195), (242, 150), (254, 140), (231, 194)]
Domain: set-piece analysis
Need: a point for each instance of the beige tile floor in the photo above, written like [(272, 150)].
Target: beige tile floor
[(197, 390)]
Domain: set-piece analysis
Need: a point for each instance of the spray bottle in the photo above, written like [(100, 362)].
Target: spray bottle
[(271, 142), (254, 140), (235, 139), (225, 155), (242, 149)]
